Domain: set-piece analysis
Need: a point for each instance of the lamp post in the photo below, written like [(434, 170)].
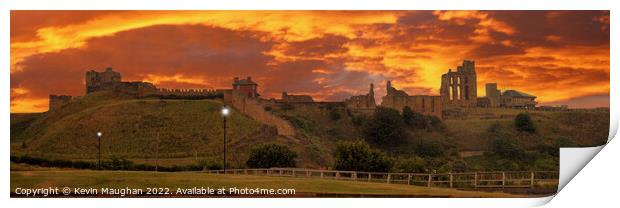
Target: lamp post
[(99, 134), (225, 112)]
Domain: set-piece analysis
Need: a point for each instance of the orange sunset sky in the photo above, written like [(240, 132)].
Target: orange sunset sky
[(560, 56)]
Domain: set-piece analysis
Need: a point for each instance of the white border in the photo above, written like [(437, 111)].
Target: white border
[(7, 5)]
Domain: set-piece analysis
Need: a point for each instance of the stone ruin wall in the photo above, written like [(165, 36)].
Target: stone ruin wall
[(57, 101), (165, 92), (255, 109), (424, 104)]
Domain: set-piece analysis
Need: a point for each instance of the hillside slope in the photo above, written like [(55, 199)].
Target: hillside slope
[(191, 131), (186, 128)]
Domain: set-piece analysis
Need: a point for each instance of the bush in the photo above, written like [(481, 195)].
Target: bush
[(359, 120), (429, 148), (436, 123), (286, 106), (547, 163), (210, 165), (506, 147), (411, 165), (385, 127), (524, 123), (494, 128), (271, 155), (334, 114), (358, 156), (415, 119), (407, 115)]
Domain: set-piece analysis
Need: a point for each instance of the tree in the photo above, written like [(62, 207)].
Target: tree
[(411, 165), (429, 148), (271, 155), (385, 127), (506, 147), (436, 123), (359, 156), (524, 123), (334, 114), (408, 115), (415, 119)]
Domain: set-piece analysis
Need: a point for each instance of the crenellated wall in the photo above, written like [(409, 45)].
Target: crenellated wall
[(188, 93)]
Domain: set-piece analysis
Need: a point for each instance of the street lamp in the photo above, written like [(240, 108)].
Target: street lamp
[(225, 112), (99, 134)]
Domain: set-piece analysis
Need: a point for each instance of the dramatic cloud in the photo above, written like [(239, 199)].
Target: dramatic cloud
[(560, 56)]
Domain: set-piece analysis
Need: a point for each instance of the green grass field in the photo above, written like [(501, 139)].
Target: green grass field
[(37, 178)]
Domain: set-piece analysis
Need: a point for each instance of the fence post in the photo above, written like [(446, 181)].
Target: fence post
[(450, 180), (532, 179), (389, 177), (430, 178), (337, 175), (354, 175), (293, 173), (321, 173), (369, 177), (409, 179), (475, 179), (503, 179)]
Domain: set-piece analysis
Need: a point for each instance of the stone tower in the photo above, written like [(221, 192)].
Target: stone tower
[(493, 94), (371, 95), (458, 89), (106, 80)]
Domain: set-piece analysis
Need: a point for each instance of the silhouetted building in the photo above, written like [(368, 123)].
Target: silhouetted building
[(458, 88), (245, 86)]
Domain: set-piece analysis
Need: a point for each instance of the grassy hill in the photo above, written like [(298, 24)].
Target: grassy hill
[(583, 128), (188, 130), (191, 131)]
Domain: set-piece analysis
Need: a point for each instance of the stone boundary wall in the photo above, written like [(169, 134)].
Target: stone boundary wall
[(186, 92), (255, 109), (57, 101)]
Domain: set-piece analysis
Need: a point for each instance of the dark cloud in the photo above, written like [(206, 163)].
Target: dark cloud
[(572, 27), (330, 66), (328, 44), (489, 50), (191, 51)]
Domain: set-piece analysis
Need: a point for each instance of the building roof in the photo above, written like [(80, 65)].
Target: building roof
[(244, 82), (514, 93)]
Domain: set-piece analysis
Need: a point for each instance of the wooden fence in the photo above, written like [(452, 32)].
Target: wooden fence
[(504, 179)]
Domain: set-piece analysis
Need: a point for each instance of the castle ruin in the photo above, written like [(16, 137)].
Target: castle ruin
[(363, 103), (424, 104), (296, 98), (110, 80), (458, 88)]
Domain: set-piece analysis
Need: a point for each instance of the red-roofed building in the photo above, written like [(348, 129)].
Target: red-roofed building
[(246, 86)]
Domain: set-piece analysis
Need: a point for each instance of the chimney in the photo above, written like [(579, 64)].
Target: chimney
[(236, 79), (249, 78)]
